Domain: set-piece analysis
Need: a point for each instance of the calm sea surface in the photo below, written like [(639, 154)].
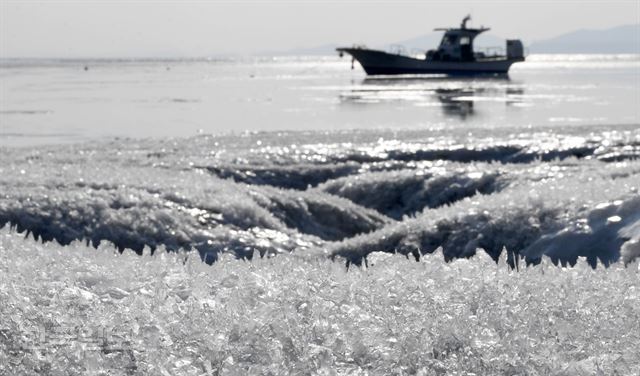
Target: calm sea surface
[(50, 101)]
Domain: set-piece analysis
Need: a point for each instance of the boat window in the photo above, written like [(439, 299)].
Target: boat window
[(465, 40), (449, 40)]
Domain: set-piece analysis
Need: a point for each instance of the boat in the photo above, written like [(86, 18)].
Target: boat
[(454, 56)]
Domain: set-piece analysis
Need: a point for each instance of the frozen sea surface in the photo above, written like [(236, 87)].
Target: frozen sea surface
[(342, 194)]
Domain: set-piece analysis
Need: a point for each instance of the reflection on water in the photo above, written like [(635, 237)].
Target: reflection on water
[(452, 106), (457, 97)]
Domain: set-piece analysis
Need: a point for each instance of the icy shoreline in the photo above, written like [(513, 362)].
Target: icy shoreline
[(77, 310), (531, 194), (68, 308)]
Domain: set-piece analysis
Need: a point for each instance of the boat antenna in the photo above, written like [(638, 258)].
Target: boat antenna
[(464, 21)]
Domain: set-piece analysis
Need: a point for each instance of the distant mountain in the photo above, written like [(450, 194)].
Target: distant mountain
[(621, 39)]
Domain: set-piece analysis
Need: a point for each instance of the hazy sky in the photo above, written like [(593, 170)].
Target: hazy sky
[(146, 28)]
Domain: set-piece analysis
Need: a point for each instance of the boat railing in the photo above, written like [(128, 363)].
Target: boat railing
[(490, 52), (418, 53), (397, 49)]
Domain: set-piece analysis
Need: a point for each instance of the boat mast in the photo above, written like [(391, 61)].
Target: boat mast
[(463, 25)]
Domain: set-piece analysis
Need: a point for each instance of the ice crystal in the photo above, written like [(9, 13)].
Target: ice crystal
[(77, 310)]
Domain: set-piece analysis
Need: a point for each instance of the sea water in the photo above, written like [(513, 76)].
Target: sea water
[(54, 101)]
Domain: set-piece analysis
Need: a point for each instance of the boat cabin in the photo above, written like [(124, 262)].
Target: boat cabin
[(456, 44)]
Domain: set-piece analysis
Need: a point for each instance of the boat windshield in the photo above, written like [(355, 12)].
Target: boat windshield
[(449, 40)]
